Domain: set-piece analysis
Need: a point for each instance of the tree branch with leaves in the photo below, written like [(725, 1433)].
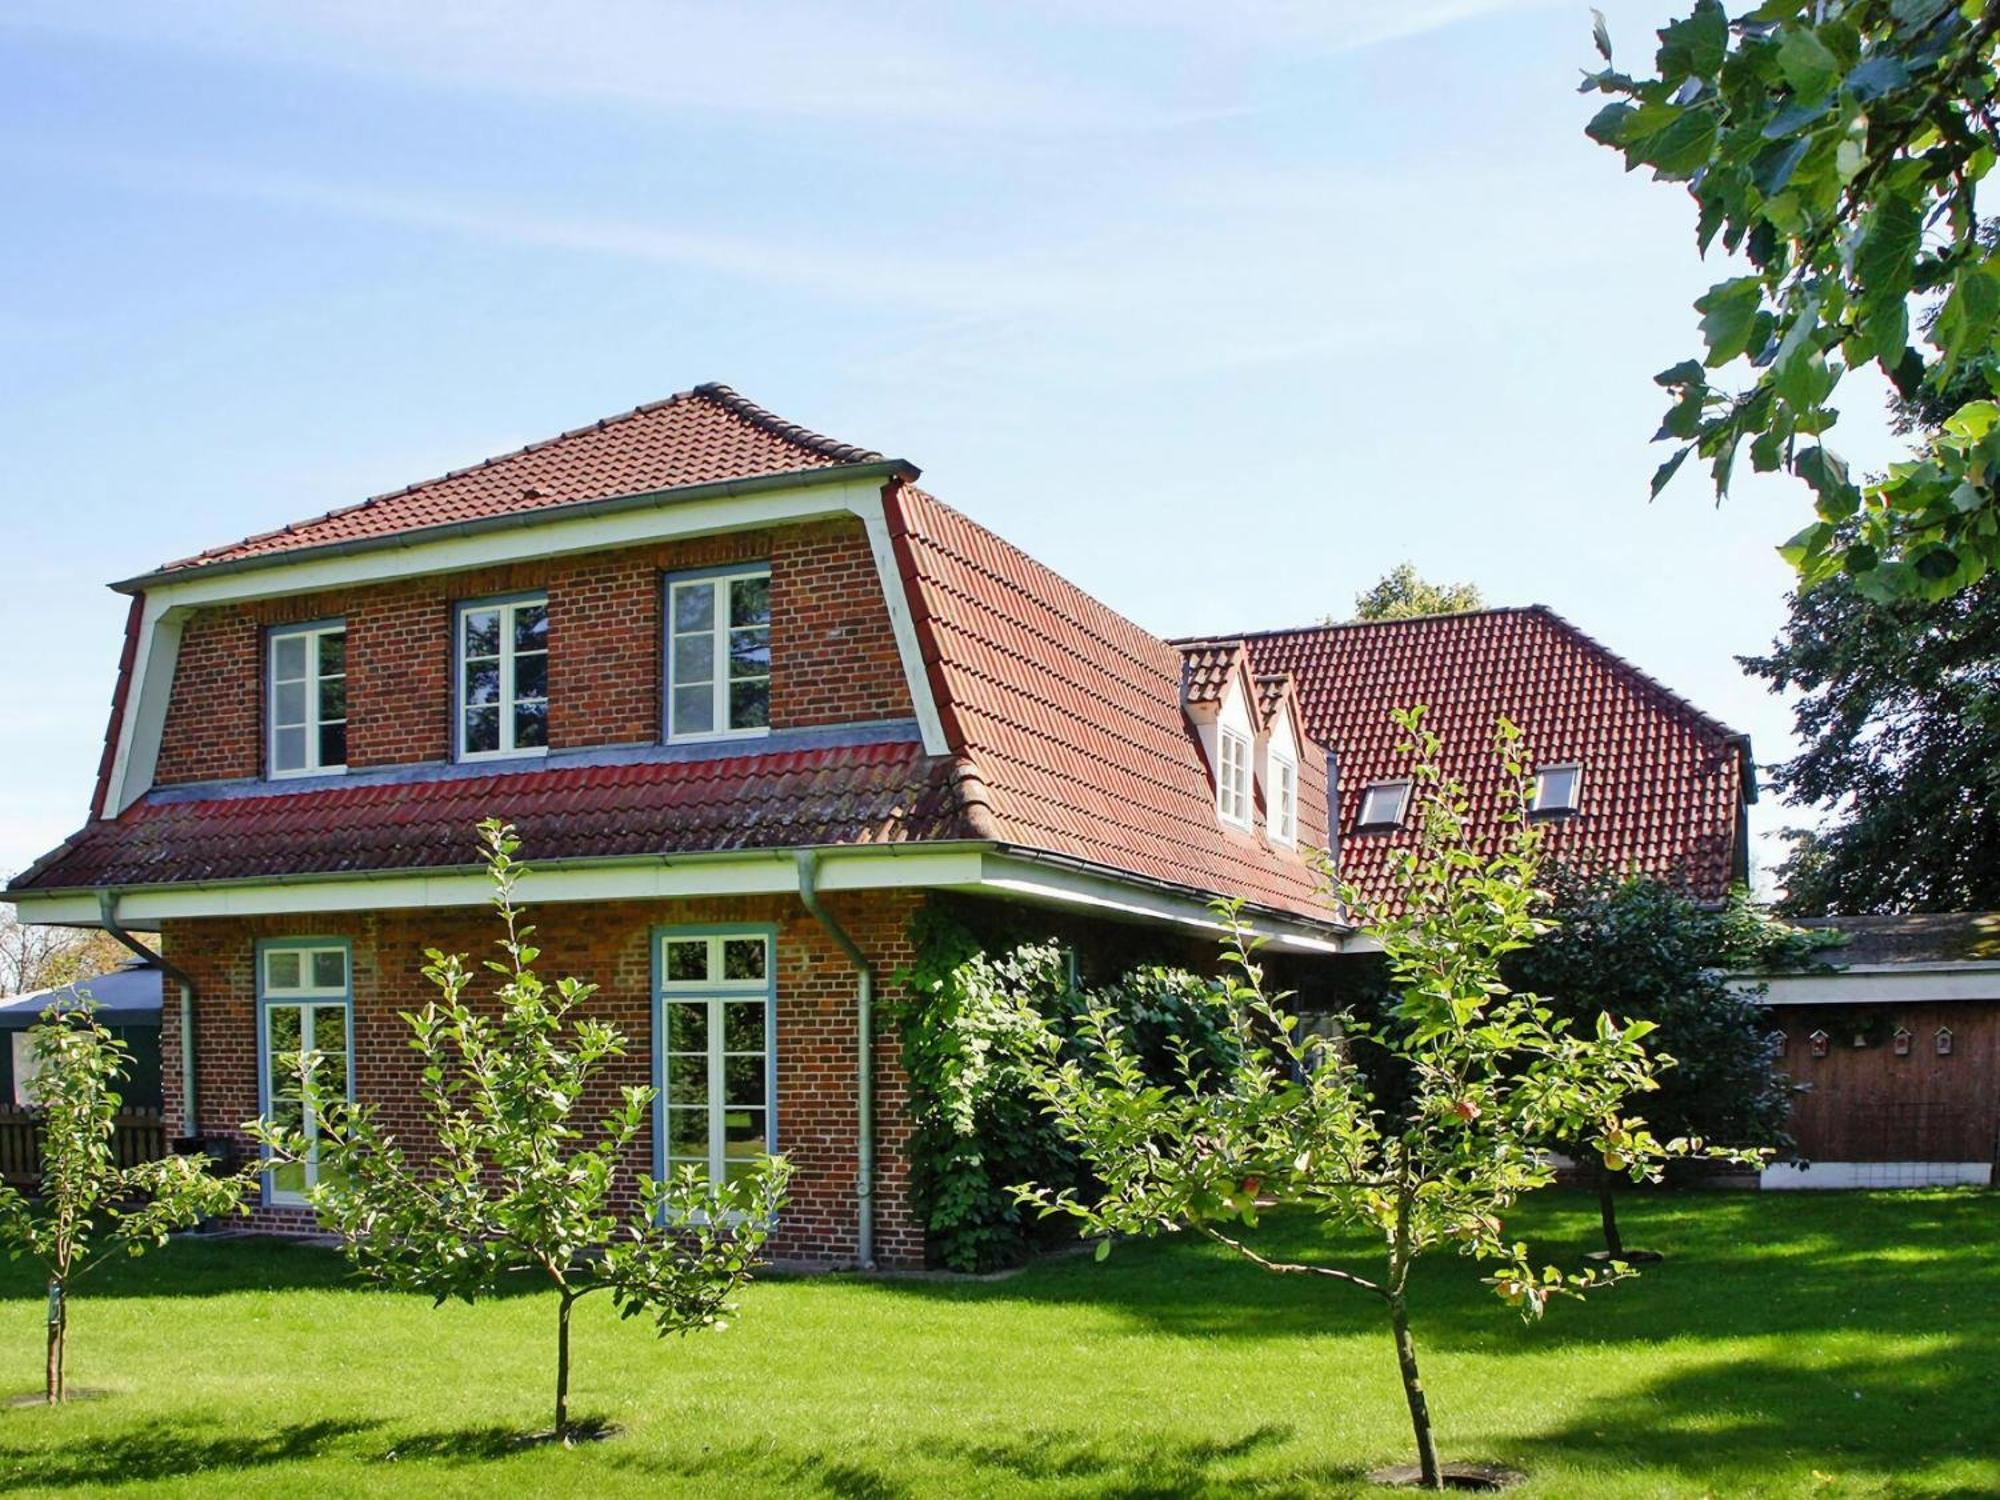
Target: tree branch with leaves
[(1837, 148)]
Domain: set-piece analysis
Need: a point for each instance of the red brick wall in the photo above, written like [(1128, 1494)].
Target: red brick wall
[(607, 945), (833, 651)]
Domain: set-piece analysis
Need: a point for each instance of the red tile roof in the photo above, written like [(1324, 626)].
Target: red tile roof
[(1663, 783), (702, 436), (864, 794), (1207, 668), (1072, 716)]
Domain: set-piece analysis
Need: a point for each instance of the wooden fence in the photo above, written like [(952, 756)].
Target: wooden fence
[(137, 1135)]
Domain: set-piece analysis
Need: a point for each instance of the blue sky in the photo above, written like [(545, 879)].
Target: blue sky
[(1220, 310)]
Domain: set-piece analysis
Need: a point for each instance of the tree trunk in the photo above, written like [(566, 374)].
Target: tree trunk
[(562, 1367), (1607, 1213), (58, 1338), (1413, 1392)]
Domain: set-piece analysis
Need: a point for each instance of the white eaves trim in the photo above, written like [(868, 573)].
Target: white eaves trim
[(1877, 984), (170, 602), (964, 867)]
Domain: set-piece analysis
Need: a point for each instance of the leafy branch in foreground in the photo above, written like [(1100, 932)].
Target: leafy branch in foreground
[(513, 1180), (90, 1208), (1837, 146), (1492, 1076)]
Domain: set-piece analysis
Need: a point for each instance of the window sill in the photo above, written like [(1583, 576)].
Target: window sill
[(305, 773), (483, 757), (718, 737)]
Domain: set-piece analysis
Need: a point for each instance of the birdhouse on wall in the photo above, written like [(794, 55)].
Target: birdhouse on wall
[(1819, 1040), (1944, 1041), (1781, 1043), (1901, 1041)]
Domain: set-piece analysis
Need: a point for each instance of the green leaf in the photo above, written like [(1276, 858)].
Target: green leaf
[(1663, 475), (1729, 316), (1607, 126), (1103, 1251), (1965, 323), (1806, 62), (1696, 45), (1682, 146), (1876, 76)]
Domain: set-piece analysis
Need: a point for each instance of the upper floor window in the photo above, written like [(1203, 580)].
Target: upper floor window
[(1232, 777), (1383, 805), (1281, 796), (503, 677), (308, 699), (1557, 789), (719, 654)]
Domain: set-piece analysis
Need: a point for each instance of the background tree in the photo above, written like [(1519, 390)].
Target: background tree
[(1898, 714), (89, 1207), (43, 958), (519, 1182), (1637, 948), (1837, 148), (1493, 1075), (1401, 594)]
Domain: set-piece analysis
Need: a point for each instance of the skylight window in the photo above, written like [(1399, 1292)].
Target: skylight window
[(1232, 777), (1557, 789), (1383, 805)]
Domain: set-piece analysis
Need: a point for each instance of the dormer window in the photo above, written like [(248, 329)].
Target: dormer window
[(719, 654), (1383, 805), (307, 699), (1557, 789), (1232, 777), (503, 677), (1281, 796)]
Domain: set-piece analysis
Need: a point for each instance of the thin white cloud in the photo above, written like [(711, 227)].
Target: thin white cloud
[(1321, 26), (791, 59)]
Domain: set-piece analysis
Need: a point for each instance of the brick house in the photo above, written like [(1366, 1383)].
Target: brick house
[(751, 698)]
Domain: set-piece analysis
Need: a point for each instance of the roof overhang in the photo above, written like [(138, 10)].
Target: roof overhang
[(875, 473), (1880, 984), (967, 867)]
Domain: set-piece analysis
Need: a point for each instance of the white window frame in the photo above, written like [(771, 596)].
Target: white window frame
[(718, 582), (1281, 798), (307, 998), (312, 724), (1232, 776), (716, 994), (507, 608), (1401, 790), (1541, 804)]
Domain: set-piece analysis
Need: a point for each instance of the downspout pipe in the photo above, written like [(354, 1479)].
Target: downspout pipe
[(864, 1063), (107, 915)]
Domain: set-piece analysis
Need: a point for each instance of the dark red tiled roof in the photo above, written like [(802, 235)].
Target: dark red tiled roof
[(703, 436), (1663, 783), (864, 794), (1207, 667), (1072, 717)]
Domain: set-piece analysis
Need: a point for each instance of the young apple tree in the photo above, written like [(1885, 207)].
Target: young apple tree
[(90, 1208), (1489, 1075), (516, 1180)]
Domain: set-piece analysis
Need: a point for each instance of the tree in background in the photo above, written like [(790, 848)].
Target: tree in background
[(1837, 148), (1403, 595), (1493, 1075), (519, 1183), (89, 1208), (1898, 713), (44, 958), (1640, 949)]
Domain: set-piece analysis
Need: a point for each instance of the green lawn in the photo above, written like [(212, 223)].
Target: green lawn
[(1813, 1344)]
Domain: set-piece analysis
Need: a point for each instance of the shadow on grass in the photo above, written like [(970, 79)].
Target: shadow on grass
[(215, 1266), (1141, 1470), (165, 1450), (1887, 1418), (1739, 1265)]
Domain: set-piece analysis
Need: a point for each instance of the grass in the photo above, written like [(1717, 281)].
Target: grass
[(1813, 1344)]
